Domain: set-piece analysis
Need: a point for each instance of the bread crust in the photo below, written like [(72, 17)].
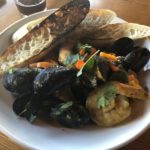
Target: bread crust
[(108, 34)]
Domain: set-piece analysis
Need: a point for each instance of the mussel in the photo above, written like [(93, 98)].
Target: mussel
[(27, 106), (102, 68), (120, 75), (20, 80), (122, 46), (79, 91), (70, 114), (51, 79), (30, 106), (136, 59)]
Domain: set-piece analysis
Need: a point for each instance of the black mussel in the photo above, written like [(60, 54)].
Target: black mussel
[(20, 103), (79, 91), (70, 114), (20, 80), (64, 93), (102, 68), (122, 46), (51, 79), (120, 76), (88, 80), (136, 59), (27, 106)]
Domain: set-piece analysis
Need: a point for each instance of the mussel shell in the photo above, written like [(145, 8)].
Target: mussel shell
[(70, 114), (52, 79), (79, 91), (120, 76), (88, 81), (20, 80), (27, 106), (136, 59), (20, 103), (103, 68), (122, 46)]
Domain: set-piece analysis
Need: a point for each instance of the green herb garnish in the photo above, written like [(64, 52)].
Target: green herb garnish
[(71, 59), (67, 105), (89, 64), (107, 94)]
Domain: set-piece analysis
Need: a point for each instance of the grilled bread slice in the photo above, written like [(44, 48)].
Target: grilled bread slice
[(95, 18), (110, 33), (41, 39)]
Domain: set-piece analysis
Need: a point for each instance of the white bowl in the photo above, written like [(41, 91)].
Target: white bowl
[(44, 136)]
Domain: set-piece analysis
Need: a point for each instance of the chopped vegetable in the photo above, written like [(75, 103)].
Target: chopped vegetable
[(41, 65), (81, 52), (86, 47), (72, 59), (79, 64), (110, 57), (89, 64)]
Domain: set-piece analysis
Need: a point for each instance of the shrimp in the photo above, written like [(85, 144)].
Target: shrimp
[(115, 112)]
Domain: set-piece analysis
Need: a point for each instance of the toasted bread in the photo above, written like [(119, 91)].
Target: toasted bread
[(41, 39), (95, 18), (110, 33)]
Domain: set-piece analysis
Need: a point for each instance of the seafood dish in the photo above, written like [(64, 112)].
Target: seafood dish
[(63, 70)]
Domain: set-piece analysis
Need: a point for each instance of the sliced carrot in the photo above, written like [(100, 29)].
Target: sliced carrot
[(110, 57), (81, 52), (79, 64), (113, 67), (41, 65)]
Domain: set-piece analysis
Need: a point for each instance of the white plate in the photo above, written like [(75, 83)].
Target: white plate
[(47, 137)]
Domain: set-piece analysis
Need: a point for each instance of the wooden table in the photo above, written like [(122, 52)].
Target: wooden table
[(130, 10)]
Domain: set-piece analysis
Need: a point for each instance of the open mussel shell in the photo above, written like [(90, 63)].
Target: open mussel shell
[(70, 114), (136, 59), (52, 79), (20, 80), (102, 68)]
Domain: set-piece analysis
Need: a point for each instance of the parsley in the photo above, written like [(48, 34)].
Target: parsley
[(89, 64), (71, 59), (67, 105), (85, 47), (107, 94)]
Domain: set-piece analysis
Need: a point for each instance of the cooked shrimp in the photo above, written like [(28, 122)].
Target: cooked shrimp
[(115, 112)]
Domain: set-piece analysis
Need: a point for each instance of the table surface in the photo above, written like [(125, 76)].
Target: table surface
[(130, 10)]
